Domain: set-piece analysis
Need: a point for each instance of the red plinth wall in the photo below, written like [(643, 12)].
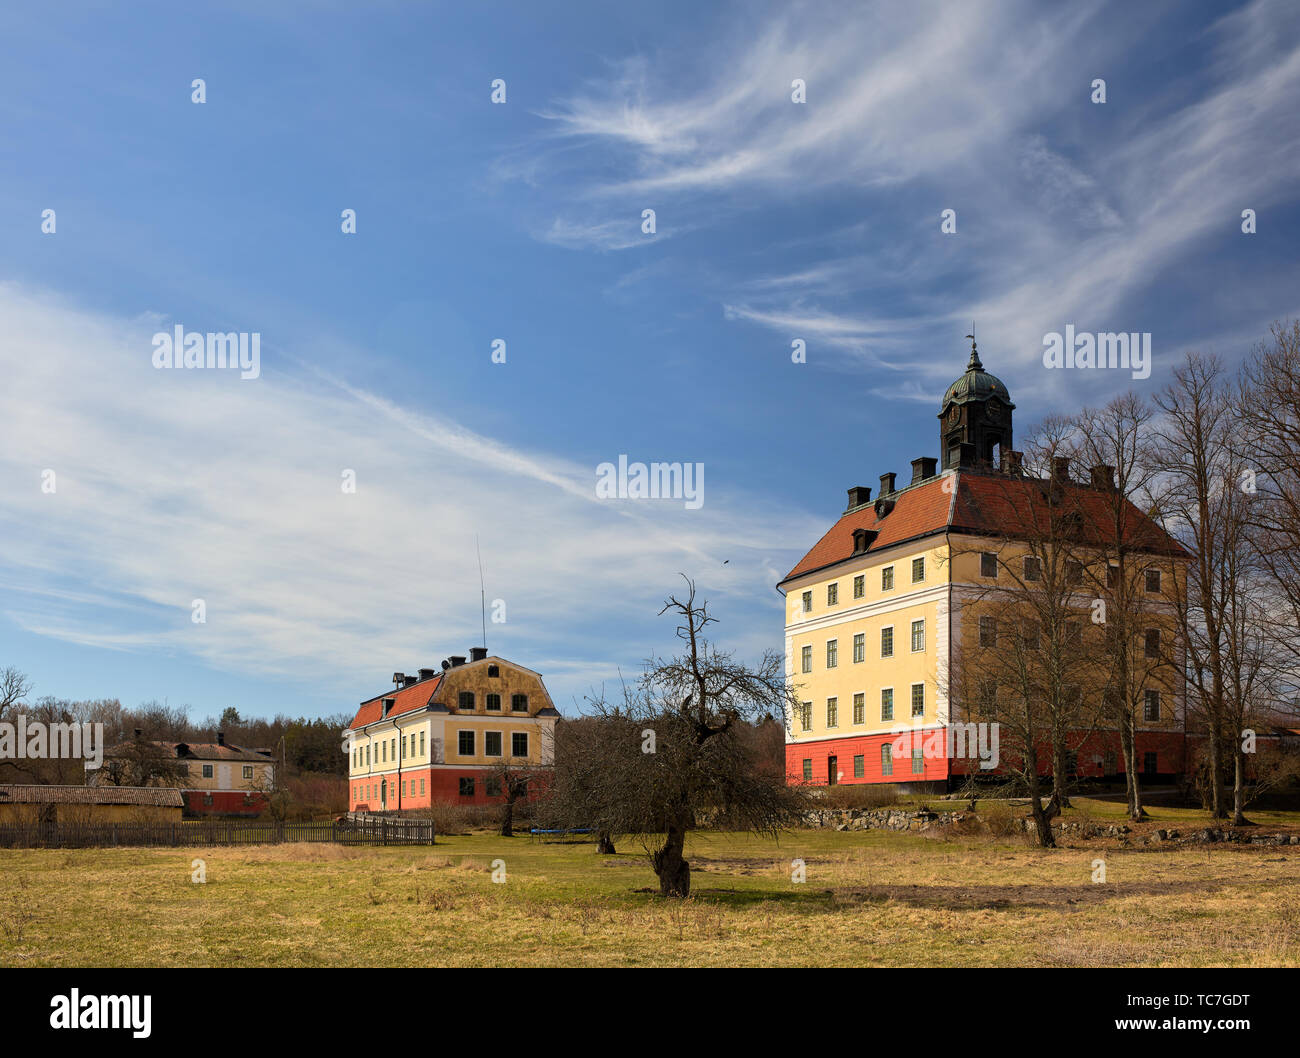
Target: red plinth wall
[(844, 750), (1091, 751), (223, 803), (441, 784)]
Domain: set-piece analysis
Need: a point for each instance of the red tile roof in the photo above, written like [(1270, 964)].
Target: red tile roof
[(987, 504), (408, 699), (917, 511)]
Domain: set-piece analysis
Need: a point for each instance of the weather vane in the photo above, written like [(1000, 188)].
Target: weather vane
[(974, 354)]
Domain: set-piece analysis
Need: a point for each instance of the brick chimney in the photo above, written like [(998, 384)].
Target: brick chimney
[(1103, 477)]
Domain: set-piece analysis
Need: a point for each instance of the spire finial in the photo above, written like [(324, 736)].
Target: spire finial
[(974, 364)]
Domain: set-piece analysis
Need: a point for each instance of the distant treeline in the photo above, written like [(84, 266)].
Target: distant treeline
[(311, 746)]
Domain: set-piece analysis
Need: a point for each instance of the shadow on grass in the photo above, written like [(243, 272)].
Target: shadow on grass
[(749, 897), (1007, 897)]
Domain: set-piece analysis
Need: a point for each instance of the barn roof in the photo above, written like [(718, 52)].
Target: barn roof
[(91, 795)]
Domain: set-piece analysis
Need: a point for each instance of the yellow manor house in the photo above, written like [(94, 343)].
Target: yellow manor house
[(874, 611), (449, 735)]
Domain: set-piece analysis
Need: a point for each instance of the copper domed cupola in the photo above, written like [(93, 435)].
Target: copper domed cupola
[(975, 417)]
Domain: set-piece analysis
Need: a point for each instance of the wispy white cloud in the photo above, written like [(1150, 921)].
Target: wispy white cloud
[(957, 105), (180, 485)]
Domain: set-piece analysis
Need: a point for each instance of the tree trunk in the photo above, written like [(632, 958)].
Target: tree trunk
[(1060, 778), (1042, 821), (1217, 807), (1238, 787), (508, 818), (671, 867), (1124, 748), (604, 844), (1129, 737)]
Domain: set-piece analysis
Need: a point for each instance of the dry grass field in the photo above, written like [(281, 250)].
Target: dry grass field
[(870, 898)]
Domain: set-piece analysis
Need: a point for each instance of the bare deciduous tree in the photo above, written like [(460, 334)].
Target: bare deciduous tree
[(1117, 437), (675, 747)]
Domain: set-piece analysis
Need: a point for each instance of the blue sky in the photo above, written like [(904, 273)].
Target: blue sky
[(522, 221)]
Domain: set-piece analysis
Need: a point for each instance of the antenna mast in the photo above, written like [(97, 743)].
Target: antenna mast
[(482, 592)]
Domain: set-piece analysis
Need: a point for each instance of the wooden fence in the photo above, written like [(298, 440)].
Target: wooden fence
[(215, 832)]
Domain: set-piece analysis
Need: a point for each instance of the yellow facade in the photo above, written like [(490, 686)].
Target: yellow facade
[(975, 595), (903, 625), (446, 737), (228, 775)]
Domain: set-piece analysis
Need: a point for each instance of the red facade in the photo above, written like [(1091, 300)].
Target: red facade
[(223, 803), (1097, 755), (441, 784)]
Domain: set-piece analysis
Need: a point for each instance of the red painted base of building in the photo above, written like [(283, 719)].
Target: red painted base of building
[(421, 787), (223, 803), (858, 759)]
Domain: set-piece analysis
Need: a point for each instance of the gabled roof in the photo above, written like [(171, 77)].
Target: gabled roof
[(981, 504), (214, 751), (917, 512), (406, 700), (92, 795), (197, 751), (421, 695)]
